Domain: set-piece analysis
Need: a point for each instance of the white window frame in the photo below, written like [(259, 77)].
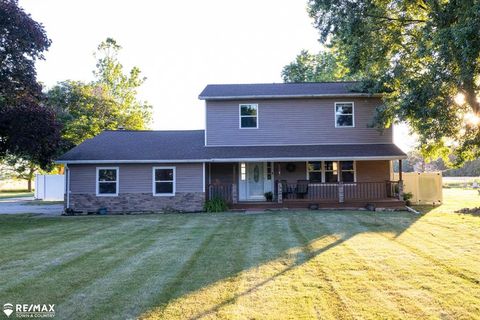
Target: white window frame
[(240, 115), (335, 114), (97, 182), (339, 171), (174, 182), (243, 171), (354, 171), (324, 169), (322, 172)]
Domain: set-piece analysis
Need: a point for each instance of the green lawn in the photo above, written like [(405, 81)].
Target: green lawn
[(15, 194), (310, 264)]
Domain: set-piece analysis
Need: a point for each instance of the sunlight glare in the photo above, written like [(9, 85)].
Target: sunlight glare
[(459, 99), (472, 119)]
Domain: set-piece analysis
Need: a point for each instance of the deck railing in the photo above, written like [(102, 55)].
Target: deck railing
[(222, 191), (309, 191), (341, 192), (369, 190), (304, 190)]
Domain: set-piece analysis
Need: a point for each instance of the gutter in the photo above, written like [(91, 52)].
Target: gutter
[(67, 186), (326, 95), (280, 159)]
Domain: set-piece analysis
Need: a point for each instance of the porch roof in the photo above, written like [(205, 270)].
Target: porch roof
[(188, 146)]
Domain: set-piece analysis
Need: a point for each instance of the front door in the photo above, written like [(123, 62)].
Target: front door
[(255, 181)]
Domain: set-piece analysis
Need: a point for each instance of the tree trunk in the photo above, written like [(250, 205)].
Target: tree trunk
[(30, 177)]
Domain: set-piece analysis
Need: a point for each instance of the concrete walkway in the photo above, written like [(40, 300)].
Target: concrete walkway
[(29, 205)]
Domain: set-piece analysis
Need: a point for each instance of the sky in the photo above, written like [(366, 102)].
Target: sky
[(180, 46)]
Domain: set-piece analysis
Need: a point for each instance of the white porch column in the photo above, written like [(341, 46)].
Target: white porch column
[(341, 192), (279, 192)]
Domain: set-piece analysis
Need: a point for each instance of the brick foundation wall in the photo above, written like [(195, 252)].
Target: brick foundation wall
[(139, 202)]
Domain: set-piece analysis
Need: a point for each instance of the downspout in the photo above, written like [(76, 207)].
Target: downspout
[(67, 185)]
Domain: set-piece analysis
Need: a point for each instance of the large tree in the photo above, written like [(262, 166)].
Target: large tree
[(28, 129), (323, 66), (108, 102), (423, 54)]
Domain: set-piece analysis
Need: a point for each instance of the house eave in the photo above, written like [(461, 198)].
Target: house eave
[(259, 159), (131, 161), (294, 96)]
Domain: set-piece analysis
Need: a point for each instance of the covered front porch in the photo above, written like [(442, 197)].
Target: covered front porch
[(302, 184)]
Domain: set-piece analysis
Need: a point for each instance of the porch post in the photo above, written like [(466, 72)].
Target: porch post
[(400, 180), (341, 192), (400, 190), (279, 192), (234, 193), (400, 177)]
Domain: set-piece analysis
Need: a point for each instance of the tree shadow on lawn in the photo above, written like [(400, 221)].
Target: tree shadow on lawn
[(280, 231), (136, 266)]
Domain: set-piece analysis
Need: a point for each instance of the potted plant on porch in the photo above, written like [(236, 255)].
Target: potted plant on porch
[(268, 196)]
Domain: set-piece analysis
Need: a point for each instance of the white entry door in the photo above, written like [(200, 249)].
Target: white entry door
[(255, 181)]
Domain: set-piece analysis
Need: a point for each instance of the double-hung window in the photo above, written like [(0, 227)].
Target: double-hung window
[(164, 181), (315, 171), (331, 171), (107, 181), (344, 117), (347, 169), (248, 116)]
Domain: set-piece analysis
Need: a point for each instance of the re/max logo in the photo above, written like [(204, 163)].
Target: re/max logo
[(35, 308)]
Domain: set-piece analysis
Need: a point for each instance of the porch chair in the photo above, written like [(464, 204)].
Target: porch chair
[(285, 189), (302, 189)]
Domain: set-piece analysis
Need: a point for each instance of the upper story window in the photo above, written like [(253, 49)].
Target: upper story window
[(344, 117), (248, 116), (164, 181), (107, 181)]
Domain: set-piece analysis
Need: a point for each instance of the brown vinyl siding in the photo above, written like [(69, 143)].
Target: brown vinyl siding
[(373, 171), (223, 173), (136, 178), (300, 172), (366, 171), (293, 121)]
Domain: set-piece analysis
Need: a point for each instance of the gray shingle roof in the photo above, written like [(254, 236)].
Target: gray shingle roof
[(280, 90), (186, 146)]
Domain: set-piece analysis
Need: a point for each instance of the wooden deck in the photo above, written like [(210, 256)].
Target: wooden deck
[(306, 204)]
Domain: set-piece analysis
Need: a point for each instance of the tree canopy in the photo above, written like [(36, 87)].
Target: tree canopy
[(28, 129), (323, 66), (108, 102), (423, 54)]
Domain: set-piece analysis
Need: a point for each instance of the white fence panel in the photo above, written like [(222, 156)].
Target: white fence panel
[(50, 187)]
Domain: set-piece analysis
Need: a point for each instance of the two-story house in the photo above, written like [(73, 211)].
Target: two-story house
[(264, 145)]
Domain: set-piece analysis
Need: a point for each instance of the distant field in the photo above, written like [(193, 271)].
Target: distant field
[(12, 185), (460, 182), (461, 179)]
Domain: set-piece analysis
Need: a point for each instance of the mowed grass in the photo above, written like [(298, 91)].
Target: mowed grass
[(291, 265), (15, 194), (453, 200)]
